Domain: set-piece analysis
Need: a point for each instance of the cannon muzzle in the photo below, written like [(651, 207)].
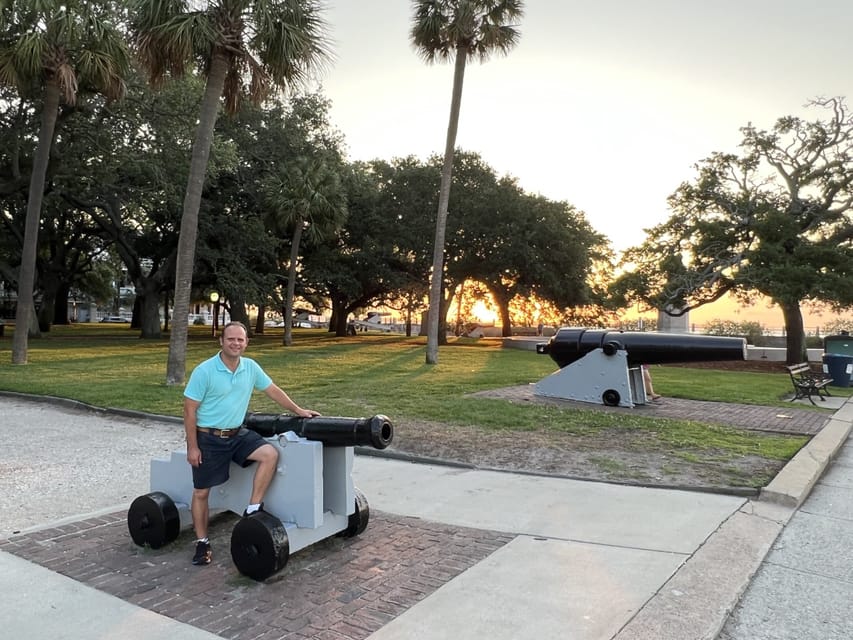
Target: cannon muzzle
[(570, 344), (376, 432)]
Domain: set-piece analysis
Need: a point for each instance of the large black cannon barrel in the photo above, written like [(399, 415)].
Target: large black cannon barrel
[(376, 432), (570, 344)]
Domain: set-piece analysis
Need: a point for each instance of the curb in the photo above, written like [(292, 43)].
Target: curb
[(793, 484), (697, 600)]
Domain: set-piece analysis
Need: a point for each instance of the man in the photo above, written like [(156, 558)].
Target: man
[(216, 399)]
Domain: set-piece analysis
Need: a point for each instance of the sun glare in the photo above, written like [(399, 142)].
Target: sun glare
[(482, 313)]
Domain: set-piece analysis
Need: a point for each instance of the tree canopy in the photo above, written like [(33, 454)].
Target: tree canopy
[(775, 220)]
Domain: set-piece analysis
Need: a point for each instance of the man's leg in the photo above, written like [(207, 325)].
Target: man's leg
[(267, 458), (200, 512)]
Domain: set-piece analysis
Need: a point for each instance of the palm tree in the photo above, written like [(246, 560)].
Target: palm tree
[(52, 50), (243, 48), (442, 29), (307, 195)]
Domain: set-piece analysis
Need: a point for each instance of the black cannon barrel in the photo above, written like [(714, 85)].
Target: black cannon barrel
[(376, 432), (570, 344)]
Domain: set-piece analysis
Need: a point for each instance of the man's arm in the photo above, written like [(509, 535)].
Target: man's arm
[(274, 392), (190, 425)]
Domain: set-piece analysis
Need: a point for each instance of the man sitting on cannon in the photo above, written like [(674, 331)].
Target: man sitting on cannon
[(216, 399)]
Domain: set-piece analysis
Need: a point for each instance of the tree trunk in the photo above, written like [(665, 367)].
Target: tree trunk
[(237, 310), (291, 284), (60, 311), (50, 287), (340, 314), (502, 297), (435, 295), (176, 365), (147, 305), (47, 308), (259, 321), (442, 319), (795, 336), (27, 275), (506, 321)]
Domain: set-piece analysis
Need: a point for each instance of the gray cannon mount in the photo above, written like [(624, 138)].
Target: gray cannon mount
[(603, 366), (311, 497)]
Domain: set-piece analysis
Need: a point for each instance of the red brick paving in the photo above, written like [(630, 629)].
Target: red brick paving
[(337, 589), (792, 420)]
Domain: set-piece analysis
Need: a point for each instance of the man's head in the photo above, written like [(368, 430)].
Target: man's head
[(234, 339)]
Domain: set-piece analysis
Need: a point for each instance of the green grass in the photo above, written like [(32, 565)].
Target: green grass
[(722, 386), (108, 366)]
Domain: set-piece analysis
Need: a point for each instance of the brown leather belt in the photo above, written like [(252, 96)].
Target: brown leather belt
[(219, 433)]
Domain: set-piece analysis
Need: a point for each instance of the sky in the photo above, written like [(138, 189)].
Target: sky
[(607, 105)]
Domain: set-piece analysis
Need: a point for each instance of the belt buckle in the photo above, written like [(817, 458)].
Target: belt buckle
[(224, 434)]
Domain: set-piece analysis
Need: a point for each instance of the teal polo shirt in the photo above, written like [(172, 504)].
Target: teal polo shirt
[(224, 395)]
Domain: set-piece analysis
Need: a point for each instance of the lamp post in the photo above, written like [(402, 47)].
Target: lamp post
[(214, 298)]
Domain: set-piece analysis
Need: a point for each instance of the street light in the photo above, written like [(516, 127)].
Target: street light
[(214, 298)]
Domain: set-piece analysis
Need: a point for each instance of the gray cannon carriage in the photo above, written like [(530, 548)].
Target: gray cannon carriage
[(603, 367), (311, 497)]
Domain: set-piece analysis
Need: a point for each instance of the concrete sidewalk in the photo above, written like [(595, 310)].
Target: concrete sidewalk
[(804, 588), (557, 558)]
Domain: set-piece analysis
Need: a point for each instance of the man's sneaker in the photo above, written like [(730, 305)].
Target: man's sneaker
[(246, 513), (203, 553)]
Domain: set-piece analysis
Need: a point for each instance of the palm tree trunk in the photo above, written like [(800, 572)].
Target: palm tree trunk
[(176, 366), (291, 284), (441, 217), (27, 276)]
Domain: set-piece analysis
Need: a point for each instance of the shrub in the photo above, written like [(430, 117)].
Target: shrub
[(748, 329), (835, 327)]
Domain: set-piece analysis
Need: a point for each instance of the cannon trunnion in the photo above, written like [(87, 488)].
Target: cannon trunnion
[(603, 367), (311, 497)]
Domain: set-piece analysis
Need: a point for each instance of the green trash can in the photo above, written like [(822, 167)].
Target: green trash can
[(842, 344), (839, 367)]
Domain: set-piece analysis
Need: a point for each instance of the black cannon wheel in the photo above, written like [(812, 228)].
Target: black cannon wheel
[(358, 520), (611, 398), (153, 519), (259, 546)]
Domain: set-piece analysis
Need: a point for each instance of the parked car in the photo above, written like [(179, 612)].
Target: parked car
[(115, 319)]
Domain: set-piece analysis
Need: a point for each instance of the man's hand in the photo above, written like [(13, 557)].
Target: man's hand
[(194, 456), (308, 413)]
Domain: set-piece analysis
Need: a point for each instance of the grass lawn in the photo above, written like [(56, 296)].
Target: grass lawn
[(109, 366)]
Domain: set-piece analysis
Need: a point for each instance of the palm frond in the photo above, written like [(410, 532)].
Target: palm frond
[(480, 27)]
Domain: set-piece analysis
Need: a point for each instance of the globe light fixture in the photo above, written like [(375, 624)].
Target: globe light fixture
[(214, 298)]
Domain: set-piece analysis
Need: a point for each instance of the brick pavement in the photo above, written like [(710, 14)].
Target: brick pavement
[(337, 589), (791, 420)]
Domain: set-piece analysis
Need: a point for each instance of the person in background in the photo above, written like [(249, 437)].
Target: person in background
[(216, 399), (647, 383)]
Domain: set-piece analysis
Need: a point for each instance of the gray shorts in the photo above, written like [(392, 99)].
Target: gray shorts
[(218, 453)]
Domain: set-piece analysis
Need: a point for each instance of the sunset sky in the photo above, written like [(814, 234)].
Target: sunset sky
[(607, 105)]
